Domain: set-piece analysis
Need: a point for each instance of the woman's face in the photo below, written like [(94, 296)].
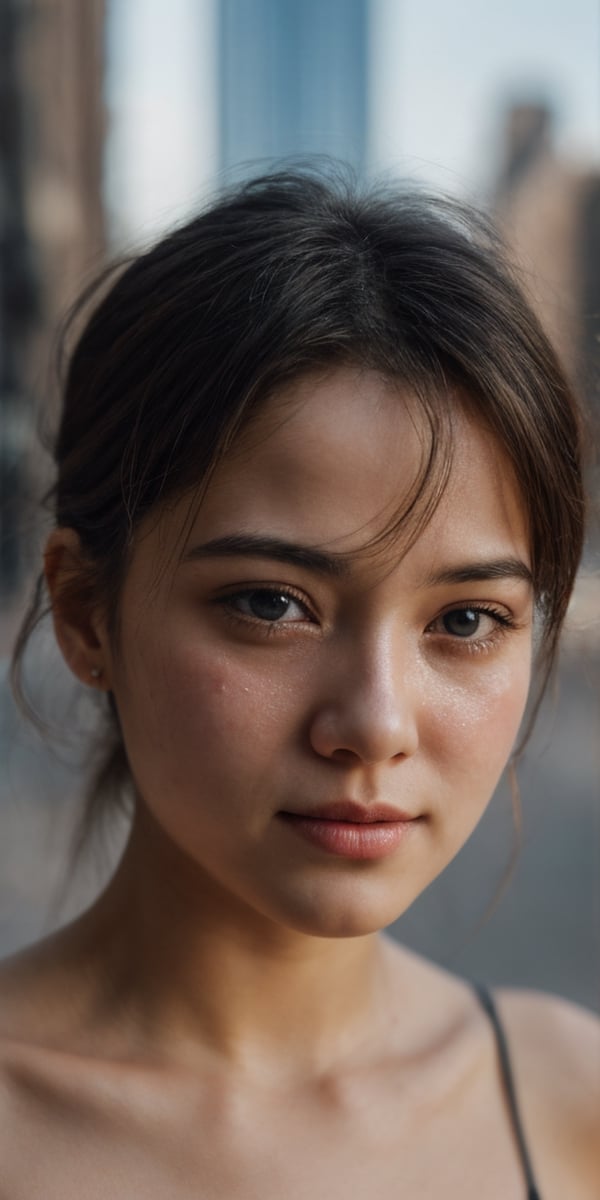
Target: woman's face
[(318, 727)]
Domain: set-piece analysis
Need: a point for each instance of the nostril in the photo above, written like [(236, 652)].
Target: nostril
[(345, 757)]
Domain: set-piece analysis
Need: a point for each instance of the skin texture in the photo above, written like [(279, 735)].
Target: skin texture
[(353, 695), (227, 1020)]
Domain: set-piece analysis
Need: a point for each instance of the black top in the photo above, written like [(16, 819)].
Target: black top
[(489, 1007)]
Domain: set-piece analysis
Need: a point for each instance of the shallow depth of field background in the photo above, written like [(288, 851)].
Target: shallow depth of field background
[(120, 118)]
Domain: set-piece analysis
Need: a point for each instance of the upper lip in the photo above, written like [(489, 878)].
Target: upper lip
[(359, 814)]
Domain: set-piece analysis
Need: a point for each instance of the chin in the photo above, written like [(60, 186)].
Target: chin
[(355, 911)]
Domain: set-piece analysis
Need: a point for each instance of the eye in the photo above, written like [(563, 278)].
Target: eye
[(472, 622), (462, 622), (268, 604)]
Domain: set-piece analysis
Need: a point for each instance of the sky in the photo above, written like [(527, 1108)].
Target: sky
[(161, 101), (441, 73), (445, 69)]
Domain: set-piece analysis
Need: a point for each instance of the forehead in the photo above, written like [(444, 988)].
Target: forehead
[(334, 458)]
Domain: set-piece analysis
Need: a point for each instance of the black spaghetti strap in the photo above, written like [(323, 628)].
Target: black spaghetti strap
[(486, 1000)]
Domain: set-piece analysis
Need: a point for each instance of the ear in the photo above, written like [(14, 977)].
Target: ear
[(79, 623)]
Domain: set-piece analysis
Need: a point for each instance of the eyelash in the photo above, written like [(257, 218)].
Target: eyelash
[(503, 621), (269, 628), (503, 624)]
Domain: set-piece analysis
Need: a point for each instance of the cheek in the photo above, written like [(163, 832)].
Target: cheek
[(198, 706), (476, 720)]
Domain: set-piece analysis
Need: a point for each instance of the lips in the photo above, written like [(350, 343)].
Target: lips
[(353, 831), (358, 814)]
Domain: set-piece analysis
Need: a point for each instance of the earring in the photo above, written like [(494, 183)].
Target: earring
[(96, 672)]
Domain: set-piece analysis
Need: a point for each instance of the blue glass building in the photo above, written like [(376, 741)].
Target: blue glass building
[(293, 79)]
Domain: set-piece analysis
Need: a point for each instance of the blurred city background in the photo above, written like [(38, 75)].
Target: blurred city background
[(120, 117)]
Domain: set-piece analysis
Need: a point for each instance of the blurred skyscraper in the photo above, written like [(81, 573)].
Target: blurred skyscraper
[(51, 220), (293, 79), (550, 211)]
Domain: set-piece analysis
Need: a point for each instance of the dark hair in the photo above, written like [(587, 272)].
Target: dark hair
[(290, 272)]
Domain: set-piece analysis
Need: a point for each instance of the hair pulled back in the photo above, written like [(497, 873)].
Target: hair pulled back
[(290, 272)]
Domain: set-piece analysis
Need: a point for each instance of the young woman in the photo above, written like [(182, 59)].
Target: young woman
[(318, 515)]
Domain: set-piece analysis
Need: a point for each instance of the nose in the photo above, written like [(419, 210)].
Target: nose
[(368, 712)]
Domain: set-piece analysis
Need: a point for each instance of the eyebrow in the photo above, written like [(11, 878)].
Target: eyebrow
[(251, 545), (482, 570)]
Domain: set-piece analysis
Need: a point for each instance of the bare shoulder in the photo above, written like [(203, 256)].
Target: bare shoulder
[(27, 983), (39, 1005), (555, 1052), (557, 1038), (17, 1047), (44, 1081)]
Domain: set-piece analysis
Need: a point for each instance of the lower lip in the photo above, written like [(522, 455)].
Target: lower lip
[(350, 839)]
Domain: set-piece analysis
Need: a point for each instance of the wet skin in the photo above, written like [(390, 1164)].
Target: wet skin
[(226, 1021), (250, 686)]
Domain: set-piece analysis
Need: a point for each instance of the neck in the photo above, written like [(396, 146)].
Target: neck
[(204, 973)]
